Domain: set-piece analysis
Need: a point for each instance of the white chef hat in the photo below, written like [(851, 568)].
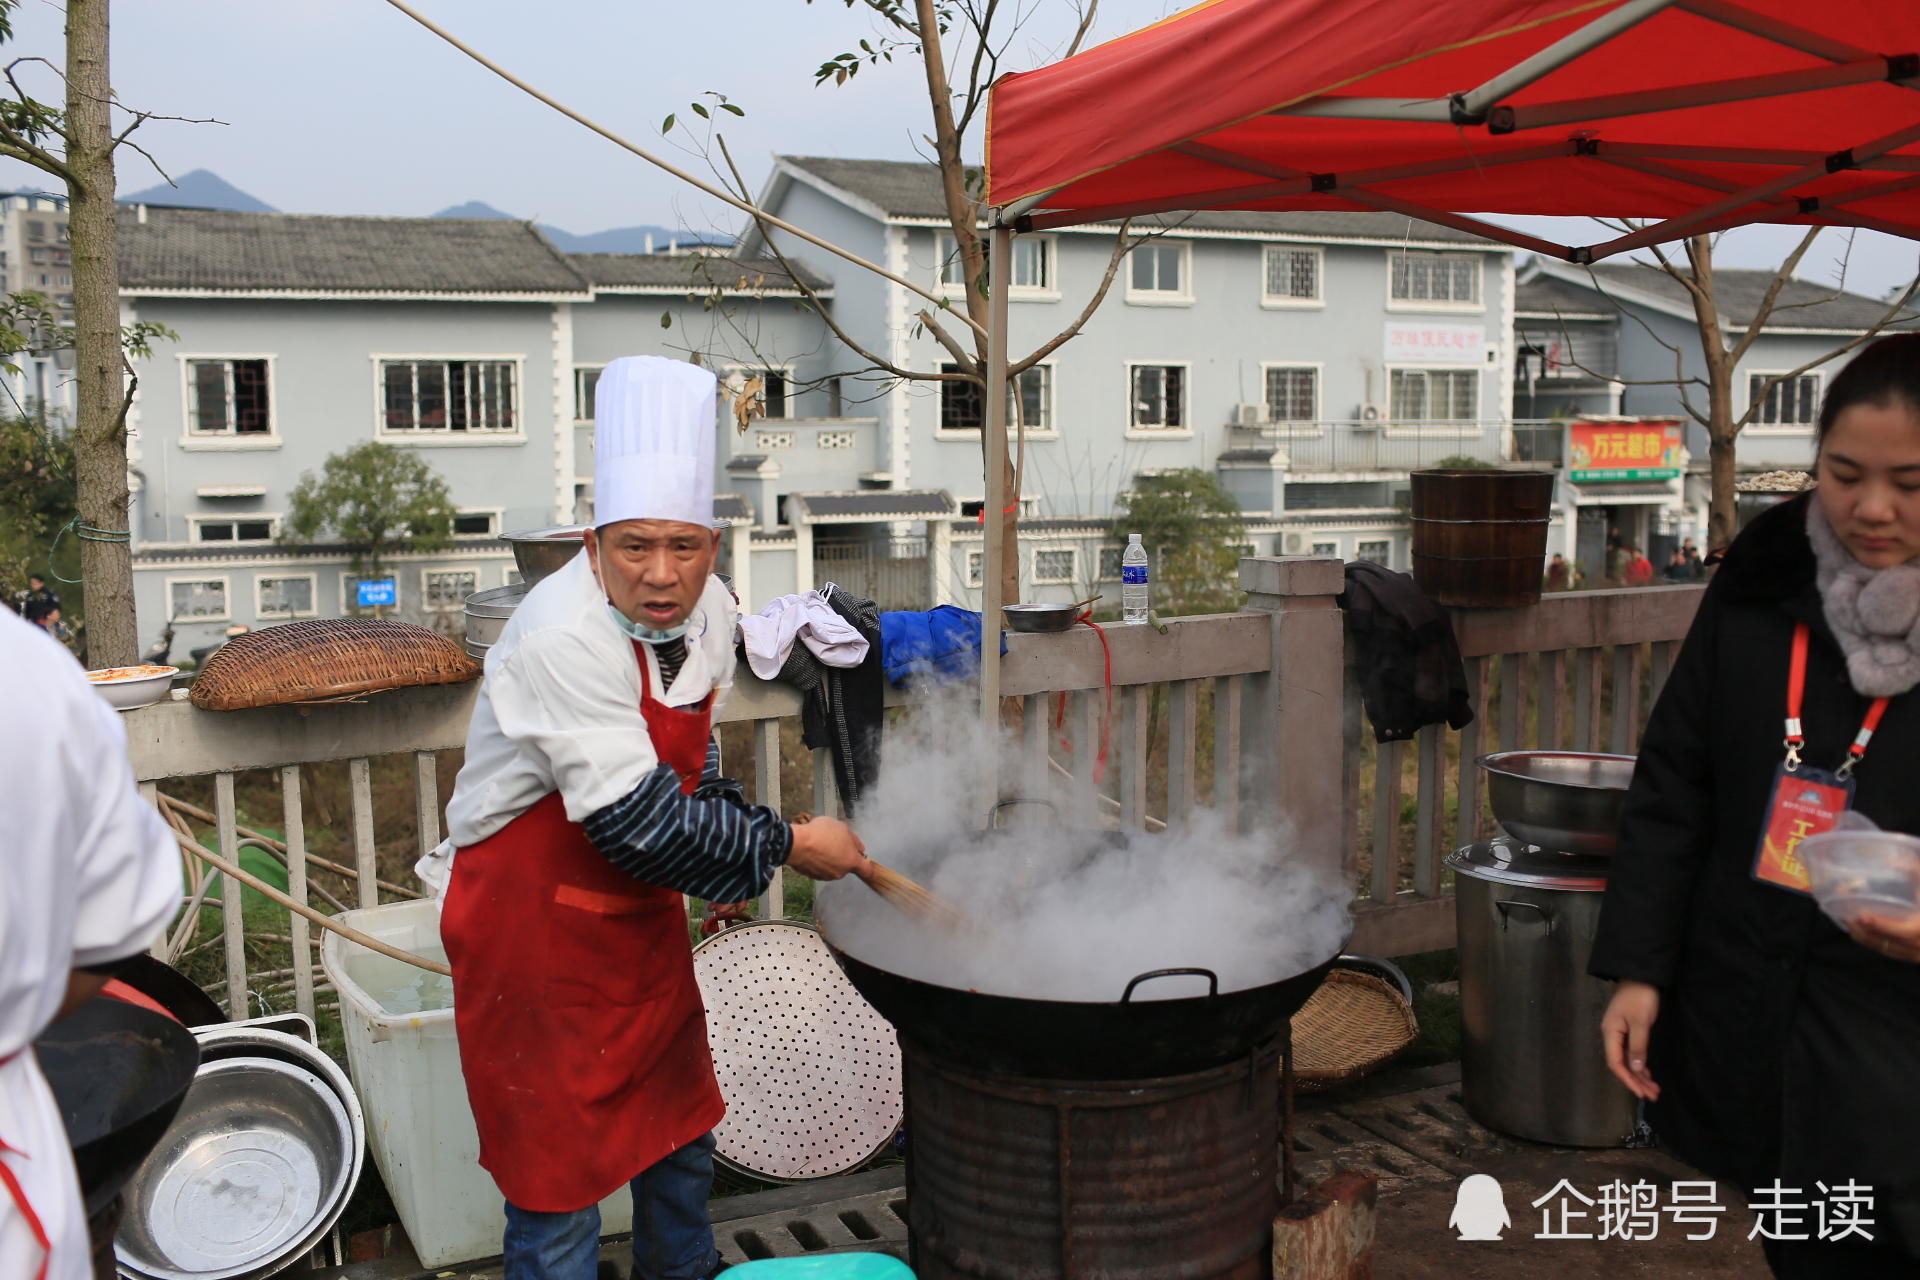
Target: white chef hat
[(653, 441)]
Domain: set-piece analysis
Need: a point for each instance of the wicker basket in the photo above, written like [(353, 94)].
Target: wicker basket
[(326, 660), (1354, 1024)]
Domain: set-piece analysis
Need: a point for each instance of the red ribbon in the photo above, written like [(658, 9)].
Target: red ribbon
[(12, 1184), (1106, 715)]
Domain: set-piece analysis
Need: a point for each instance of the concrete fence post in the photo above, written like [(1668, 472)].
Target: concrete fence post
[(1291, 731)]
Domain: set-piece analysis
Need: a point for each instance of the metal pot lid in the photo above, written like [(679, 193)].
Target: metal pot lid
[(1504, 860), (810, 1072)]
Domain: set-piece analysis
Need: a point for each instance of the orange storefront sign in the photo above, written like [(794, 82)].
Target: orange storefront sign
[(1624, 450)]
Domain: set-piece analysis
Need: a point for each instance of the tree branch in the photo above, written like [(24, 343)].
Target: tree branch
[(1754, 403), (1086, 25), (1765, 310), (1122, 245)]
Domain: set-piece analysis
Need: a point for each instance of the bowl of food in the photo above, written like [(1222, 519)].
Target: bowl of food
[(1855, 873), (130, 687), (1562, 801)]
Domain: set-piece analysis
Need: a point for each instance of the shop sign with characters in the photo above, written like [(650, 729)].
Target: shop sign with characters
[(1624, 450)]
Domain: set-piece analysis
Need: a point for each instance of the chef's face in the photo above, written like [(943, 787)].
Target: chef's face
[(1869, 474), (653, 570)]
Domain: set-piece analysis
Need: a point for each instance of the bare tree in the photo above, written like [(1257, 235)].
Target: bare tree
[(1722, 351), (75, 143)]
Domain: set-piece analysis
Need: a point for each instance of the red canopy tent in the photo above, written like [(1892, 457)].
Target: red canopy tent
[(1699, 114)]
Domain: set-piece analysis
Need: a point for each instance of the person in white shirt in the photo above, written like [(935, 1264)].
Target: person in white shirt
[(89, 876)]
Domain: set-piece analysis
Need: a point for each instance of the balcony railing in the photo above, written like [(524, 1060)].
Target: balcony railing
[(1376, 448), (1544, 443), (1199, 719)]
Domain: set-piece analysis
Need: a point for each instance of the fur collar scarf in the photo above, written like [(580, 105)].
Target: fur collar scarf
[(1874, 613)]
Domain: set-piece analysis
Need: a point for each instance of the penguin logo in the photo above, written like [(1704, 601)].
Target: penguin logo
[(1480, 1209)]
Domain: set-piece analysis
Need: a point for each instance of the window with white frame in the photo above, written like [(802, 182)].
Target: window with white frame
[(476, 524), (774, 391), (1157, 271), (1056, 565), (443, 590), (197, 599), (1380, 553), (1109, 563), (585, 383), (350, 593), (1292, 274), (1452, 279), (285, 596), (228, 398), (1031, 270), (962, 407), (237, 529), (472, 397), (976, 568), (1293, 394), (1433, 395), (1159, 396), (1326, 549), (1792, 402)]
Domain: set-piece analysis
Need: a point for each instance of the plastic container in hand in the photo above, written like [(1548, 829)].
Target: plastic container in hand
[(1861, 871)]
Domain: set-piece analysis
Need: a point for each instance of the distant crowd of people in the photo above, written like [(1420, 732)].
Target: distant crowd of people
[(40, 605), (1628, 566)]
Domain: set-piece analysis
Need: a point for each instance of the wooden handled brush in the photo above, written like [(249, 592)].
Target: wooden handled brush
[(906, 896)]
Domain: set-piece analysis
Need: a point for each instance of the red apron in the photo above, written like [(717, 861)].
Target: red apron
[(582, 1036)]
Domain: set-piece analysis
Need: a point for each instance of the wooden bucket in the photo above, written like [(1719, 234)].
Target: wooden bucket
[(1480, 535)]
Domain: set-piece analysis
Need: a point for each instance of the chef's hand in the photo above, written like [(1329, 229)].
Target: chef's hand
[(1894, 939), (826, 849), (1623, 1030)]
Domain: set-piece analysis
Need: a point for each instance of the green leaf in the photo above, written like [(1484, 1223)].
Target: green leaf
[(701, 111), (728, 106), (666, 319), (667, 124)]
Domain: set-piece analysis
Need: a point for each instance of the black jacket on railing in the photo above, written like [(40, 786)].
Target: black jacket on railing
[(1782, 1047), (1403, 648)]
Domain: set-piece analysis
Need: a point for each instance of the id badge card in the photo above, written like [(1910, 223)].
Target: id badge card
[(1805, 802)]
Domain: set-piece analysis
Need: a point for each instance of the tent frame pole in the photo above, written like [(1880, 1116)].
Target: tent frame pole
[(1472, 106), (999, 273)]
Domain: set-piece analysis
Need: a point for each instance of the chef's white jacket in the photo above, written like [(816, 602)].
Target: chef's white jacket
[(89, 875), (560, 706)]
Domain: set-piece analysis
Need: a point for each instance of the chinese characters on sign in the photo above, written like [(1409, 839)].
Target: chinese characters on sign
[(1635, 1211), (1427, 342), (1623, 450)]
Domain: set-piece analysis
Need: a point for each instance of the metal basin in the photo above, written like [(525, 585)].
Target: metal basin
[(487, 614), (1562, 801), (538, 552), (257, 1166), (1040, 617)]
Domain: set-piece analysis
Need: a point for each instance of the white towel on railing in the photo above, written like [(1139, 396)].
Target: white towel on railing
[(808, 618), (435, 868)]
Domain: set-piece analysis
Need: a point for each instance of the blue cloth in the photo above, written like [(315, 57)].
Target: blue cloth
[(942, 644), (672, 1234), (838, 1266)]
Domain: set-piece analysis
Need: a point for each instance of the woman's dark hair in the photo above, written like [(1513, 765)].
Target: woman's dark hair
[(1887, 371)]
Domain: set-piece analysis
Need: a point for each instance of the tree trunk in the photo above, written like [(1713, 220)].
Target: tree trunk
[(100, 427), (1722, 520), (1721, 431)]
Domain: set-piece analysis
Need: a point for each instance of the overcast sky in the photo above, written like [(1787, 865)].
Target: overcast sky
[(346, 106)]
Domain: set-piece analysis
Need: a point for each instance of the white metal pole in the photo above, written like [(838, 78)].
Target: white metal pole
[(999, 272), (1474, 104)]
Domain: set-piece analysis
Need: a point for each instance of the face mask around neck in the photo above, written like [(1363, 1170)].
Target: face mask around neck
[(645, 635)]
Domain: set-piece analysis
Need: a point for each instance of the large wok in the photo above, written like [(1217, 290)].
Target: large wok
[(118, 1073)]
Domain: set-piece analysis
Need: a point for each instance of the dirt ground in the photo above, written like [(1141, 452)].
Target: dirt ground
[(1413, 1241)]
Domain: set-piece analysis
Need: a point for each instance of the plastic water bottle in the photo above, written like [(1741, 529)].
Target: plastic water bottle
[(1134, 588)]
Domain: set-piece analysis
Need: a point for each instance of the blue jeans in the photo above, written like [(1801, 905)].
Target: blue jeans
[(672, 1235)]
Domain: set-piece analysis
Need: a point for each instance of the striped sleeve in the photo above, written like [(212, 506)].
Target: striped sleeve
[(706, 846)]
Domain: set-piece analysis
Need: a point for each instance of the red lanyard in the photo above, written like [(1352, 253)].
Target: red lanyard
[(1796, 694)]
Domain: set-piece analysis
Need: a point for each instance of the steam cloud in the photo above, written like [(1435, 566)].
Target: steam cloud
[(1062, 913)]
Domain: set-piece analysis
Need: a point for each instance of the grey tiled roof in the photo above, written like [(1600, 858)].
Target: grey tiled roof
[(911, 189), (731, 506), (215, 249), (699, 272), (1803, 304), (1549, 296), (879, 504)]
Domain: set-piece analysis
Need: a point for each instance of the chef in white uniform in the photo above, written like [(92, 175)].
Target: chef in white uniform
[(88, 876), (590, 801)]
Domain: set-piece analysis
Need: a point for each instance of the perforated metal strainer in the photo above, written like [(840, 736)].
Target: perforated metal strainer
[(810, 1072)]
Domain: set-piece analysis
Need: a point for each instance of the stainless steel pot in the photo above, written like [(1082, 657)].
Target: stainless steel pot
[(1040, 617), (487, 614), (539, 552), (1531, 1062), (1562, 801)]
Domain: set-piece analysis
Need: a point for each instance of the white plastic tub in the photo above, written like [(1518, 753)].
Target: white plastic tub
[(406, 1067)]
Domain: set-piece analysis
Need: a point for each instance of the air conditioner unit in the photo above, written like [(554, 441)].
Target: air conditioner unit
[(1371, 414), (1248, 415), (1293, 543)]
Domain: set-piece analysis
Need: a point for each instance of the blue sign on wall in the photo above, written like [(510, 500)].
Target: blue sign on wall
[(378, 591)]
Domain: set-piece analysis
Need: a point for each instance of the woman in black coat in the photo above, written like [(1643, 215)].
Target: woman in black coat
[(1769, 1043)]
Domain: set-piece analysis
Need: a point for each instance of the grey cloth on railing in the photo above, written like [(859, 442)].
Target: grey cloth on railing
[(842, 708), (1404, 650)]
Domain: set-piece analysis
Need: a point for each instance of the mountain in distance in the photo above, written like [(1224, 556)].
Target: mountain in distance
[(616, 240), (200, 189)]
